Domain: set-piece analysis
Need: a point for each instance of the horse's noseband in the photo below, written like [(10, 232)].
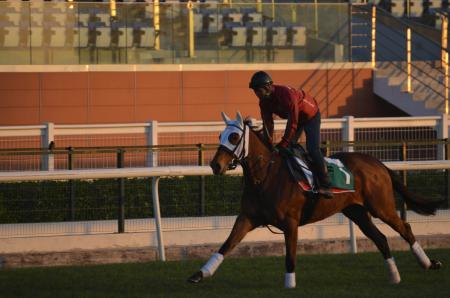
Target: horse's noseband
[(233, 164)]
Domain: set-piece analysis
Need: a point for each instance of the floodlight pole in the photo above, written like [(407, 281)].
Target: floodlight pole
[(408, 59), (113, 9), (259, 5), (444, 38), (294, 14), (373, 44), (316, 20), (446, 83), (156, 24), (190, 7)]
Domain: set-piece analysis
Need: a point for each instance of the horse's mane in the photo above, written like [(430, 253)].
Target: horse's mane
[(258, 130)]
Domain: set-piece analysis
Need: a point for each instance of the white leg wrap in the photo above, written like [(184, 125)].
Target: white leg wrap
[(394, 275), (211, 266), (421, 256), (289, 280)]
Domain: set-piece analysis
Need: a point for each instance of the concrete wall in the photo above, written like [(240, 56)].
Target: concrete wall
[(138, 93)]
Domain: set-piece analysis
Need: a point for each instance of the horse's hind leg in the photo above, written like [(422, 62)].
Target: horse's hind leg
[(360, 216), (404, 229), (241, 227)]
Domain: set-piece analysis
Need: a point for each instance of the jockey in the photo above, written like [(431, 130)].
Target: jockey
[(301, 111)]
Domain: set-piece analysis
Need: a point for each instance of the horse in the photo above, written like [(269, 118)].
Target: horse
[(271, 197)]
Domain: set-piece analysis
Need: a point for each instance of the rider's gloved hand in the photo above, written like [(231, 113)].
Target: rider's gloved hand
[(282, 150)]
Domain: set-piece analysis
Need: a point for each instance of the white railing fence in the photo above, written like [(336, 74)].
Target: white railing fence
[(161, 133)]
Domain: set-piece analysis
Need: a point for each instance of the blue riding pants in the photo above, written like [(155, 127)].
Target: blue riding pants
[(312, 132)]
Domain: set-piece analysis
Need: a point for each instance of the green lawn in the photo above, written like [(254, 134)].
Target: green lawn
[(344, 275)]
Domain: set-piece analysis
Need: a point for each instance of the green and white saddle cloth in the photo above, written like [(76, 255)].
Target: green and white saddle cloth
[(340, 177)]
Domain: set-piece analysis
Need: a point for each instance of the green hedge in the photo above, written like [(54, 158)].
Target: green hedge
[(49, 201)]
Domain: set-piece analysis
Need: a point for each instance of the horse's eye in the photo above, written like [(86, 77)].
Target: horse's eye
[(233, 138)]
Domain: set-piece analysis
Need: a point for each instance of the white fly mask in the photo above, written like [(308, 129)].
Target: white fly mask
[(235, 136)]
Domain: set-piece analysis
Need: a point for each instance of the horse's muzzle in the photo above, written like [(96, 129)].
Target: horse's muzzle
[(216, 168)]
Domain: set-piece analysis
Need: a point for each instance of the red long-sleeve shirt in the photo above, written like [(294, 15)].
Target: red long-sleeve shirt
[(288, 103)]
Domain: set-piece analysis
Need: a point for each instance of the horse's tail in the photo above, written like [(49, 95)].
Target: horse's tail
[(415, 202)]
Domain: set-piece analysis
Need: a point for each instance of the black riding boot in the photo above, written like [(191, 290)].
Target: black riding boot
[(324, 182)]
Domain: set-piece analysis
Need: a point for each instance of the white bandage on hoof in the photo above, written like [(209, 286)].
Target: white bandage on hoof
[(394, 275), (421, 256), (211, 266), (289, 280)]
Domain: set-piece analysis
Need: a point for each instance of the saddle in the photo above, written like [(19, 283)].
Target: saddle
[(299, 164)]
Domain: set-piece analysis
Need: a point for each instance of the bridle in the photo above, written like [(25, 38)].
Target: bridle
[(239, 152)]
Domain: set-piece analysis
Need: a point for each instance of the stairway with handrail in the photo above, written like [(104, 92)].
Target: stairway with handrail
[(427, 86), (421, 53)]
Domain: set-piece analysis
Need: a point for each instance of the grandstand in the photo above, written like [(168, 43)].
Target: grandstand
[(77, 32)]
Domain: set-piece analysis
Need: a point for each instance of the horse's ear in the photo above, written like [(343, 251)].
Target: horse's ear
[(239, 118), (225, 117)]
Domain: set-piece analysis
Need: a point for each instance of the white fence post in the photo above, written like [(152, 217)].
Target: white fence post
[(47, 160), (348, 132), (348, 135), (157, 215), (152, 140), (442, 134)]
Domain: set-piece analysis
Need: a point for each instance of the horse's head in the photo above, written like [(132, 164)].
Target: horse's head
[(233, 145)]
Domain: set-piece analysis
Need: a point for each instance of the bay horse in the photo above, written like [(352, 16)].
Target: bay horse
[(272, 197)]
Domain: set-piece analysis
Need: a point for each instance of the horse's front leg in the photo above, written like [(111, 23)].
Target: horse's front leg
[(290, 238), (241, 227)]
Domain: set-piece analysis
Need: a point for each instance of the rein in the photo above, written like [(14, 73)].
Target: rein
[(244, 160), (245, 163), (240, 154)]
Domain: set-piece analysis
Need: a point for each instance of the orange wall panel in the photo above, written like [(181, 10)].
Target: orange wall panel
[(158, 79), (177, 95), (236, 95), (161, 112), (246, 110), (158, 96), (206, 95), (19, 98), (239, 78), (111, 114), (202, 112), (20, 116), (19, 81), (64, 80), (111, 97), (64, 97), (204, 79), (111, 80), (64, 114)]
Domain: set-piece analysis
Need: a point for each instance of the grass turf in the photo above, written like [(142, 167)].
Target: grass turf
[(341, 275)]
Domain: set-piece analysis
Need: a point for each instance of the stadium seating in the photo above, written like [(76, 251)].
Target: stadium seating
[(11, 37), (55, 24)]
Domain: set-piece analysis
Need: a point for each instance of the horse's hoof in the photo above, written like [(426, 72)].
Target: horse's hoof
[(435, 265), (196, 277)]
